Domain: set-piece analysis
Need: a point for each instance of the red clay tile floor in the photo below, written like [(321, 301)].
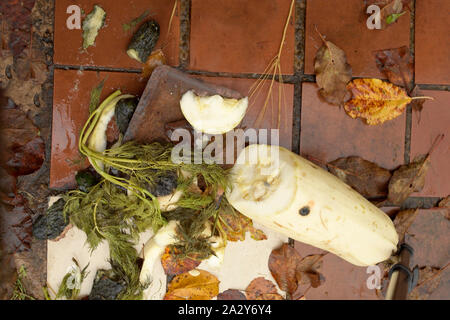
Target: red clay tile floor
[(229, 43)]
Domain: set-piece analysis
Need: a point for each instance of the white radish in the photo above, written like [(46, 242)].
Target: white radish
[(293, 196), (213, 114), (97, 140), (154, 249)]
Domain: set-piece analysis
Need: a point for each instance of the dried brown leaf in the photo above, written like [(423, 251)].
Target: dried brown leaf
[(397, 64), (332, 72), (444, 203), (283, 264), (390, 11), (308, 271), (156, 59), (262, 289), (403, 220), (235, 226), (410, 178), (193, 285), (231, 294), (23, 148), (15, 225), (429, 280), (417, 105), (364, 176), (174, 264)]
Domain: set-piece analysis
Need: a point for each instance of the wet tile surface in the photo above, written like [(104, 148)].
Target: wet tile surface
[(240, 36), (112, 41), (426, 126), (328, 133), (342, 280), (432, 49), (429, 235), (256, 105), (343, 22), (70, 112)]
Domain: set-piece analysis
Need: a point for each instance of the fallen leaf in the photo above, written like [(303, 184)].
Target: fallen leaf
[(391, 12), (231, 294), (444, 203), (95, 96), (156, 58), (429, 280), (173, 264), (17, 15), (235, 226), (8, 274), (15, 225), (410, 178), (403, 220), (397, 64), (23, 148), (308, 271), (364, 176), (193, 285), (332, 72), (262, 289), (133, 23), (375, 100), (283, 263), (417, 105)]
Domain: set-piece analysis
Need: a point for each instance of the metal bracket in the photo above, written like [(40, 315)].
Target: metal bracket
[(413, 276)]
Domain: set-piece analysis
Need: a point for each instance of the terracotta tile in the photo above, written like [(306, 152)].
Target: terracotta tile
[(71, 98), (429, 235), (433, 121), (328, 133), (112, 41), (257, 102), (432, 48), (240, 36), (343, 22), (342, 280)]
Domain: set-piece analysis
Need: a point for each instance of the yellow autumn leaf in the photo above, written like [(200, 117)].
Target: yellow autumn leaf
[(193, 285), (376, 101)]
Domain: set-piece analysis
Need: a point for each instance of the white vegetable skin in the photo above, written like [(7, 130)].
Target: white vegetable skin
[(340, 220), (97, 140), (213, 114), (154, 249)]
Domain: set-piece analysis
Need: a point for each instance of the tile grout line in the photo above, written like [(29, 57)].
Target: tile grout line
[(95, 68), (408, 124), (289, 79), (299, 63), (185, 32)]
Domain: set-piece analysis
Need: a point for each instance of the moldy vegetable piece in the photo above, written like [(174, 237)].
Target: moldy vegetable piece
[(52, 223), (92, 24), (165, 184), (85, 180), (124, 111), (144, 41), (106, 286)]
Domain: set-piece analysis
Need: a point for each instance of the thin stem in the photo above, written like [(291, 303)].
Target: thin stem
[(424, 97)]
